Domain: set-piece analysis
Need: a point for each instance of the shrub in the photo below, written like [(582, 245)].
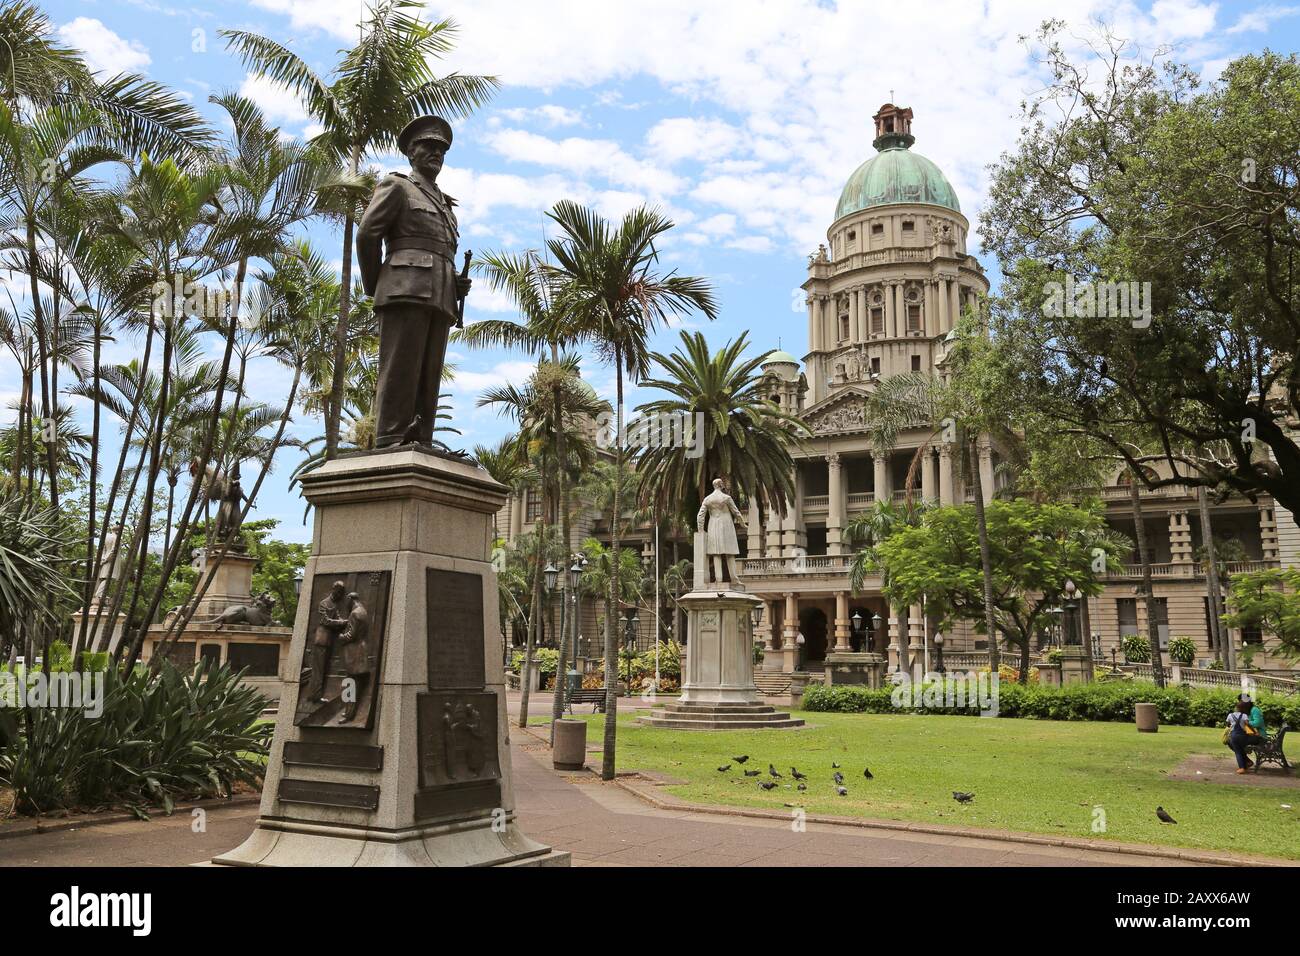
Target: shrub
[(546, 657), (1108, 701), (1054, 656), (670, 661), (1182, 650), (173, 735), (1137, 649)]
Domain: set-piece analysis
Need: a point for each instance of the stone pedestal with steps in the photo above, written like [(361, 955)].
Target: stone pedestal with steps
[(680, 716), (718, 691)]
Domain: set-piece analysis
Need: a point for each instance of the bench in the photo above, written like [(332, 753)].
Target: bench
[(1270, 750), (595, 695)]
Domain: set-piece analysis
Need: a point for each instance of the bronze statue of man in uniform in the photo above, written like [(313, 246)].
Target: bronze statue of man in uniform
[(416, 288)]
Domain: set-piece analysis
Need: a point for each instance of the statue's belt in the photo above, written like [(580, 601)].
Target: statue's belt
[(436, 246)]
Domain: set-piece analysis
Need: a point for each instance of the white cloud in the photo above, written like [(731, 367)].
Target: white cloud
[(701, 140), (1259, 19), (472, 383), (278, 102), (548, 114), (103, 50), (584, 157)]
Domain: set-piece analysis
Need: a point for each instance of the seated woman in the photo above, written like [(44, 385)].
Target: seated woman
[(1256, 716), (1240, 736)]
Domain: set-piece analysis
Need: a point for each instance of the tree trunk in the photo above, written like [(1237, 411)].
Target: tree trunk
[(557, 702), (1024, 659), (1153, 627), (986, 561), (92, 569), (334, 413), (607, 767), (1219, 636), (534, 622)]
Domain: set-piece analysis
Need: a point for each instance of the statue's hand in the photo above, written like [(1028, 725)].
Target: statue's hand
[(463, 284)]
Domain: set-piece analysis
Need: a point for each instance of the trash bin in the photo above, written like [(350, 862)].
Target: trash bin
[(570, 750), (1148, 719), (575, 681)]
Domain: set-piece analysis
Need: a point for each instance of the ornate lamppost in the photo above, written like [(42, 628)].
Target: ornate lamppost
[(629, 644)]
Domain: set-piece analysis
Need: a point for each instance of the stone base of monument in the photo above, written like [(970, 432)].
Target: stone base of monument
[(1076, 664), (862, 669), (391, 745), (718, 691), (679, 716)]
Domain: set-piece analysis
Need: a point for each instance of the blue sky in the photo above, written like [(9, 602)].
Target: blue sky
[(741, 118)]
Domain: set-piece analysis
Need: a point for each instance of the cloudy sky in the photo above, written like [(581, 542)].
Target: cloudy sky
[(741, 118)]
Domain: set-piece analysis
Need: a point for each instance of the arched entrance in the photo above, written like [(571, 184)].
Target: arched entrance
[(812, 623)]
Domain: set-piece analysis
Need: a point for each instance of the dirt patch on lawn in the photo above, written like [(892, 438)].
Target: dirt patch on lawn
[(1209, 768)]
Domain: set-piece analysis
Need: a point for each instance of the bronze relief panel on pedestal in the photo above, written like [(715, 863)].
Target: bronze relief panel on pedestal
[(340, 676)]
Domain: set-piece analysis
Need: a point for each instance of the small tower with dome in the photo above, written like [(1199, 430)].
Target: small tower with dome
[(896, 273)]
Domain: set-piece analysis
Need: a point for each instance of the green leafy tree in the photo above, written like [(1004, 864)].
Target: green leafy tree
[(1034, 549), (1269, 600)]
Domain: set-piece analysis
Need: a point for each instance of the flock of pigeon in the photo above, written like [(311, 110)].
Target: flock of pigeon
[(801, 781)]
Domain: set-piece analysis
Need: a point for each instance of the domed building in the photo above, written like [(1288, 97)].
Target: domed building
[(883, 295)]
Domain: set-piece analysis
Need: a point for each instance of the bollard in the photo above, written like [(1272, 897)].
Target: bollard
[(570, 750), (1148, 720)]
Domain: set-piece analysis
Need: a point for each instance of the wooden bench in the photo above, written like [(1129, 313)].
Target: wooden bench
[(1270, 750), (595, 695)]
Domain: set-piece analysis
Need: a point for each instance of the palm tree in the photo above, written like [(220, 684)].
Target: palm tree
[(609, 284), (550, 410), (743, 435), (507, 467), (379, 86)]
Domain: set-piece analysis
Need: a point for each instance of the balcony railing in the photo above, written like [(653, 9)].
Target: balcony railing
[(805, 564), (1188, 569)]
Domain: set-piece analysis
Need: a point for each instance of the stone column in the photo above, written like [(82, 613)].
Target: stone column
[(842, 621), (888, 289), (927, 477), (1180, 538), (835, 512), (814, 324), (954, 303), (789, 649), (766, 632), (855, 309), (986, 469), (754, 536), (893, 640), (1268, 536), (882, 476), (946, 495), (772, 533)]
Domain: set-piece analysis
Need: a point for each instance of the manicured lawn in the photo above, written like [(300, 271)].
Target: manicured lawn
[(1040, 776)]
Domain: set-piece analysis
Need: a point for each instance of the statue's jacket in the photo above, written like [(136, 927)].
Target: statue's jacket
[(416, 225)]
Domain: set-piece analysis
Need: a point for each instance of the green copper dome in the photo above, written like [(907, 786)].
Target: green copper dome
[(779, 356), (896, 175)]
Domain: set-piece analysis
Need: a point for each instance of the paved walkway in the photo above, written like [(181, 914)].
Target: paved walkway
[(601, 824)]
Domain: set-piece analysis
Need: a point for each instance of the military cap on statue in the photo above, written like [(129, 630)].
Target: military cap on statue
[(424, 127)]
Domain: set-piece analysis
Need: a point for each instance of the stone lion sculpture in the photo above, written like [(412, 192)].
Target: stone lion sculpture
[(256, 615)]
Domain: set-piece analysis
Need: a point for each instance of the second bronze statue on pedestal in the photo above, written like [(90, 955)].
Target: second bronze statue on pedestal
[(406, 247)]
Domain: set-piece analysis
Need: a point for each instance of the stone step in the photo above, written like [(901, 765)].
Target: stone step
[(772, 684), (717, 708), (729, 719), (672, 724)]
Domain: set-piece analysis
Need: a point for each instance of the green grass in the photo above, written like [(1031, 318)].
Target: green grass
[(1032, 775)]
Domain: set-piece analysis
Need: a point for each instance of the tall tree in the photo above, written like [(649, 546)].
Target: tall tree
[(610, 284), (378, 86)]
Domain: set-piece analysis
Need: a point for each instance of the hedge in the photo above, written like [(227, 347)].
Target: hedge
[(1193, 707)]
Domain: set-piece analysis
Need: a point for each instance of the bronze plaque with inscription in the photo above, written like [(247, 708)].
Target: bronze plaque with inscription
[(342, 662), (455, 630)]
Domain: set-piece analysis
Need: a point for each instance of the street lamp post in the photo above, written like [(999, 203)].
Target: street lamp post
[(938, 652), (575, 577), (856, 622), (629, 642), (876, 621), (297, 583)]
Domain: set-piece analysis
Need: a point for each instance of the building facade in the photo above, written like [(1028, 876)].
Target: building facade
[(883, 293)]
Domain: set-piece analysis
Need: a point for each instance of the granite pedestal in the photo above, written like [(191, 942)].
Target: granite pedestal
[(416, 771)]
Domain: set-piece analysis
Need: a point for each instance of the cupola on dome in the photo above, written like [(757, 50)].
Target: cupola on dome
[(895, 174)]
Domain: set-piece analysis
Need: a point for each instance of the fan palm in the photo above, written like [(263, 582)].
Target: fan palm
[(379, 86), (741, 434)]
